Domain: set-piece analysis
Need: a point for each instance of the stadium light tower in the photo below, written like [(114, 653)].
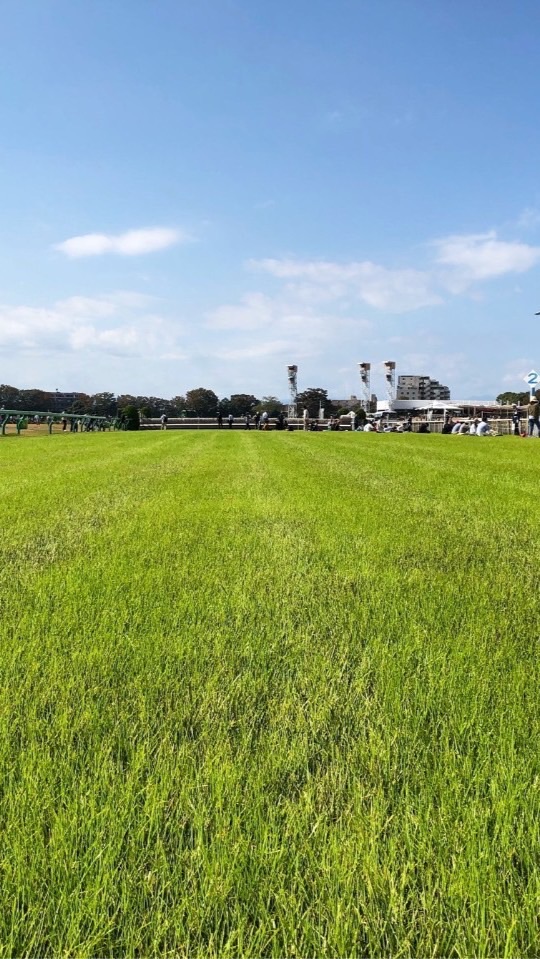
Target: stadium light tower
[(365, 376), (390, 374), (292, 372)]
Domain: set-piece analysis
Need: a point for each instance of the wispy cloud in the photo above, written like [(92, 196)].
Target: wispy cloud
[(257, 351), (345, 118), (320, 309), (516, 372), (131, 243), (254, 312), (315, 306), (396, 291), (529, 218), (121, 324), (482, 256), (281, 315), (461, 262), (262, 328)]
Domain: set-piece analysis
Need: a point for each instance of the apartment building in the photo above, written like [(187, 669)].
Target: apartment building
[(421, 388)]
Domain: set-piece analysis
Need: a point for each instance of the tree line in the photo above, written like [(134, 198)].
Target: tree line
[(521, 399), (197, 402)]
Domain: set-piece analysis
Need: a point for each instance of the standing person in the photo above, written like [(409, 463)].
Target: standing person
[(305, 417), (164, 421), (353, 421), (231, 420), (220, 420), (247, 421), (264, 420), (64, 424), (532, 412), (257, 420), (516, 420)]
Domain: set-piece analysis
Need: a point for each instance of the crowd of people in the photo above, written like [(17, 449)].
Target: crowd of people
[(469, 427), (260, 421), (525, 420)]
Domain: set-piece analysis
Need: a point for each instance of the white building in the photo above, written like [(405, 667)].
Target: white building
[(438, 407)]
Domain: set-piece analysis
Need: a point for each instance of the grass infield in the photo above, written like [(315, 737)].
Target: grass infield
[(269, 695)]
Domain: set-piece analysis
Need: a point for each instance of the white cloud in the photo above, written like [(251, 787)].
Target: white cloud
[(257, 350), (132, 243), (292, 324), (121, 341), (173, 355), (481, 256), (255, 311), (322, 312), (324, 308), (461, 260), (395, 291), (261, 327), (119, 324)]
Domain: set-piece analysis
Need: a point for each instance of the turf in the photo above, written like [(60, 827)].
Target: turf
[(269, 695)]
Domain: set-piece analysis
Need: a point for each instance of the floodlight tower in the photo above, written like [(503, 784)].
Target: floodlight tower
[(365, 376), (390, 374), (292, 372)]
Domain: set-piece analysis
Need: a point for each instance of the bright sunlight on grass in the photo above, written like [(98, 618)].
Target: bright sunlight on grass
[(269, 695)]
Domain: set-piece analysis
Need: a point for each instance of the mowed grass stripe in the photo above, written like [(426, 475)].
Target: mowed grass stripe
[(281, 697)]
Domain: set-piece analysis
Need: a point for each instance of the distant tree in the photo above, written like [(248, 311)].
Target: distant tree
[(10, 397), (103, 404), (157, 405), (176, 405), (240, 403), (509, 397), (271, 404), (151, 403), (360, 413), (204, 402), (126, 399), (312, 399), (34, 400), (83, 404), (129, 415)]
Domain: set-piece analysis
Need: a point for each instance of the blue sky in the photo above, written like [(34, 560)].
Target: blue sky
[(199, 192)]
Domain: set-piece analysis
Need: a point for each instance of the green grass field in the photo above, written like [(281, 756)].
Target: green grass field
[(269, 695)]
